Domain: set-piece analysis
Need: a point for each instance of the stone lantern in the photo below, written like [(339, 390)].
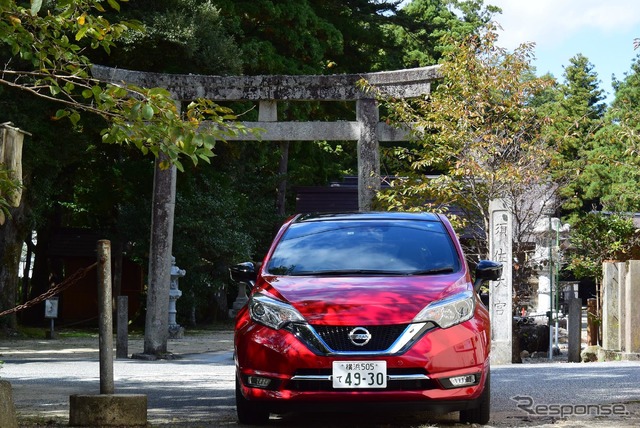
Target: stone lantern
[(175, 330)]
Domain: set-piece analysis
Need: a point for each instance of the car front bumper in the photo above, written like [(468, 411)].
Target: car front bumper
[(277, 368)]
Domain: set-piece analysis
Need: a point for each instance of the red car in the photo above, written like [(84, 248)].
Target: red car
[(363, 309)]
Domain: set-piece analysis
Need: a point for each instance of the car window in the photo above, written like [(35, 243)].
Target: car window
[(376, 247)]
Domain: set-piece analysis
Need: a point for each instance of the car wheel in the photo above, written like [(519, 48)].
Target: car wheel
[(250, 413), (482, 413)]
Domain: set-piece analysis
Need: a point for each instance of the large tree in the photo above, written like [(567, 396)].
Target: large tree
[(613, 163), (576, 114), (477, 138), (420, 27)]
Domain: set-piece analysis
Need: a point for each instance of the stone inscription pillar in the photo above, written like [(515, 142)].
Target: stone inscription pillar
[(610, 303), (500, 292)]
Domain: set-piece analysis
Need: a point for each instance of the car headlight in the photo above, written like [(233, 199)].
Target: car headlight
[(271, 312), (450, 311)]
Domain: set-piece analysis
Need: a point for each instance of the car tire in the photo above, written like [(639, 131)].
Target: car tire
[(482, 413), (250, 413)]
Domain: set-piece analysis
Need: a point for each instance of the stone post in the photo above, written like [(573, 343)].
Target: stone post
[(105, 313), (107, 408), (610, 304), (368, 153), (175, 330), (575, 330), (122, 336), (500, 294), (7, 406), (592, 325), (622, 280), (632, 314)]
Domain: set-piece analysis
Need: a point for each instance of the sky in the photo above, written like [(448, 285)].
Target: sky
[(601, 30)]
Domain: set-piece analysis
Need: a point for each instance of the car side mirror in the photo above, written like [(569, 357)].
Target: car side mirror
[(244, 272), (487, 270)]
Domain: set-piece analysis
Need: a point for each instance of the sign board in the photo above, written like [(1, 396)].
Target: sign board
[(51, 308)]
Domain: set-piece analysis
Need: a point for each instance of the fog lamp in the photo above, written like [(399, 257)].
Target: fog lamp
[(461, 381), (258, 382)]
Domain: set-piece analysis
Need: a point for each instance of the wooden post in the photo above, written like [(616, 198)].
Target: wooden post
[(105, 317)]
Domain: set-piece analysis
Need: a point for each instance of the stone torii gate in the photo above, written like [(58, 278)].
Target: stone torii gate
[(267, 91)]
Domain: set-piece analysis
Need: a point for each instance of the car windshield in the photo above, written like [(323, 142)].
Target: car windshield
[(364, 247)]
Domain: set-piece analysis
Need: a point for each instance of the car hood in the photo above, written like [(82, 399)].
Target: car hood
[(366, 300)]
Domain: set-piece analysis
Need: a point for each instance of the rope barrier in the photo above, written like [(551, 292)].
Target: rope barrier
[(55, 289)]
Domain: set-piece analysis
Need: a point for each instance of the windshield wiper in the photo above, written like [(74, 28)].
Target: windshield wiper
[(433, 271), (347, 272)]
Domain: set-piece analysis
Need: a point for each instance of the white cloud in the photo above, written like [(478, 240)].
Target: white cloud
[(547, 22)]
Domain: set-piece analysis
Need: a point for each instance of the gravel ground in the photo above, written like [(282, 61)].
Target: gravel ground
[(221, 341)]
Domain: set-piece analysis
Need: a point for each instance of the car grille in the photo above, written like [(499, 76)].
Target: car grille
[(384, 340), (337, 337), (398, 380)]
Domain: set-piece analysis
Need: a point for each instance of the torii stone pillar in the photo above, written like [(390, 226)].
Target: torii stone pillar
[(163, 207), (368, 152), (500, 293)]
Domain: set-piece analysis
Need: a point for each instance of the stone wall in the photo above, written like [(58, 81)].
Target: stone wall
[(620, 316)]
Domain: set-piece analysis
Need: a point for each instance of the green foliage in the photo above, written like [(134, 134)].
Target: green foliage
[(178, 36), (423, 29), (576, 116), (613, 164), (224, 215), (476, 137), (49, 61), (284, 37), (364, 42), (598, 237)]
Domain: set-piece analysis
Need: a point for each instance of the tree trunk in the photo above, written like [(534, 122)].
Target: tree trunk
[(11, 239)]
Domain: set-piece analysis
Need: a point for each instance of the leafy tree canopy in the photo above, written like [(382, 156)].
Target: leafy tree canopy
[(596, 238), (421, 26), (45, 46), (476, 134), (576, 115)]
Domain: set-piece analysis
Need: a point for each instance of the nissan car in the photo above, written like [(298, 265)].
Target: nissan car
[(363, 309)]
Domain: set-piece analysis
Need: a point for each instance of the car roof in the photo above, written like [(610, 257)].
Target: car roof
[(370, 215)]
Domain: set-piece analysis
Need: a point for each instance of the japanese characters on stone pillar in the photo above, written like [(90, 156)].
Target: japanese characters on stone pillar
[(500, 292)]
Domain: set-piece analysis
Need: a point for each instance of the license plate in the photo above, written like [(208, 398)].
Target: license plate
[(359, 374)]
